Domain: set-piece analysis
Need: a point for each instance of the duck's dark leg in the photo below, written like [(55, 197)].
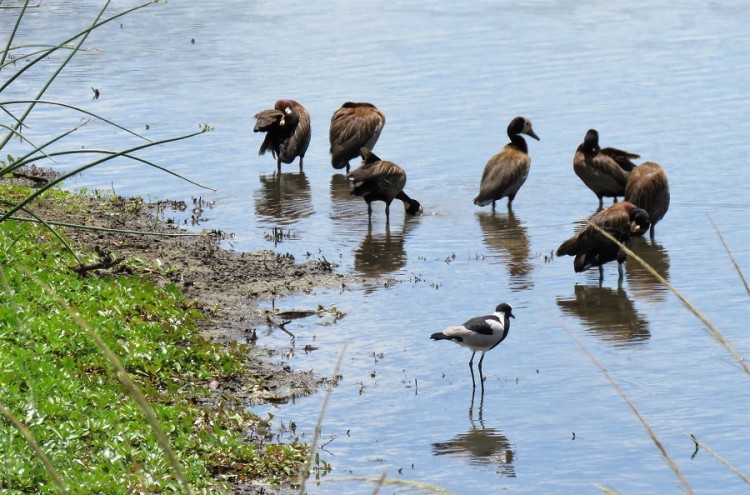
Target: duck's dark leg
[(481, 376), (387, 212), (601, 202), (278, 164), (493, 205), (601, 274), (510, 202), (369, 212), (300, 163), (620, 273), (651, 234), (471, 368)]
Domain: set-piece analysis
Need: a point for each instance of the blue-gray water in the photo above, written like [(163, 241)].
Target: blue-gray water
[(668, 82)]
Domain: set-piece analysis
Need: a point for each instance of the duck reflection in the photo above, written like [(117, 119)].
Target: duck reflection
[(343, 203), (608, 313), (506, 235), (283, 198), (382, 252), (482, 445), (640, 280)]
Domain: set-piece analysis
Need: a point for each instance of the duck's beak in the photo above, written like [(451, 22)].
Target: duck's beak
[(533, 134)]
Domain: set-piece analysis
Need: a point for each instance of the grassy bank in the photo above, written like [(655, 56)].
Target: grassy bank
[(57, 384)]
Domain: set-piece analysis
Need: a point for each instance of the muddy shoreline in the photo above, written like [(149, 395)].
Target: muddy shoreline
[(229, 288)]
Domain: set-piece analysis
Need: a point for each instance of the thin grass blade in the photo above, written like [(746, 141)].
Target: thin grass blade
[(731, 257), (7, 169), (65, 44), (19, 162), (78, 109), (651, 433), (13, 33), (59, 69), (103, 229), (122, 375), (314, 444), (49, 143), (719, 458), (18, 425), (415, 485), (48, 227), (66, 176), (713, 331)]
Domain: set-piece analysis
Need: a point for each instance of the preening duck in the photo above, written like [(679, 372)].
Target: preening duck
[(353, 126), (591, 248), (381, 180), (604, 170), (648, 188), (287, 128)]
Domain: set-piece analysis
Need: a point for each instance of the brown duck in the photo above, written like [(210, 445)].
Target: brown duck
[(353, 126), (604, 170), (505, 173), (380, 180), (648, 188), (287, 128), (591, 248)]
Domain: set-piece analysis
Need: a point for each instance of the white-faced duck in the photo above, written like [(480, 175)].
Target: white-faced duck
[(506, 172), (381, 180), (648, 188), (287, 128), (591, 248), (604, 170), (353, 126)]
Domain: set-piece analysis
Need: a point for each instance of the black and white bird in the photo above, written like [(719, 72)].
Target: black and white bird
[(480, 334)]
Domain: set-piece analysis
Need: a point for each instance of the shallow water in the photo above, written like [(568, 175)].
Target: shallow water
[(668, 82)]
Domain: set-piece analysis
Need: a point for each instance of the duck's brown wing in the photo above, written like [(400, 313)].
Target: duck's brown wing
[(352, 128), (503, 175), (267, 119)]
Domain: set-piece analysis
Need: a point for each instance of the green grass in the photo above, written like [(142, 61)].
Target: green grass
[(57, 383)]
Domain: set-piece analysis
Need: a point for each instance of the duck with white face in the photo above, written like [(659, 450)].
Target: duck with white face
[(288, 131), (506, 172)]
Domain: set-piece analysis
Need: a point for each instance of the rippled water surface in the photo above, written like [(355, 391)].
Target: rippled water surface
[(666, 81)]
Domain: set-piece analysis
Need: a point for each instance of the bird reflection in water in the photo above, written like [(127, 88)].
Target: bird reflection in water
[(608, 313), (283, 198), (505, 235), (381, 252), (482, 445), (343, 203), (642, 283)]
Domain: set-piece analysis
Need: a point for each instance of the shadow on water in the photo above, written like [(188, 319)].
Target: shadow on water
[(505, 235), (283, 198), (608, 313), (383, 251), (640, 280), (481, 444)]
